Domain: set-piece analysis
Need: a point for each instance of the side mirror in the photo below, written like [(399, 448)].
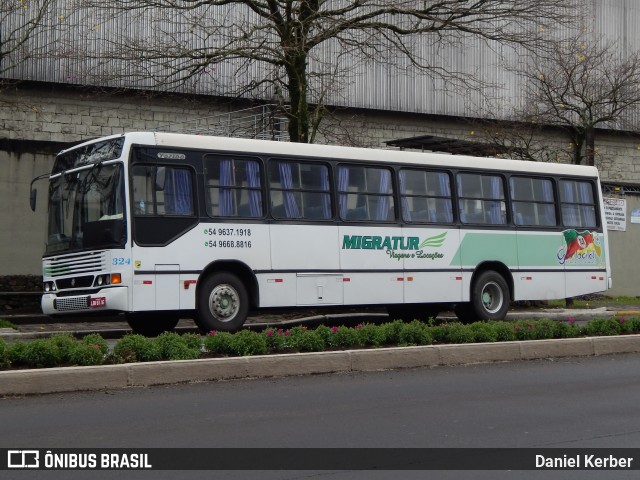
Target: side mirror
[(33, 195)]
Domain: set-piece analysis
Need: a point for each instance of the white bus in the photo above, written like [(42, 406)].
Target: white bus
[(161, 226)]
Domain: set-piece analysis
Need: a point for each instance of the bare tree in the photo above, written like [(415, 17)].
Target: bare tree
[(582, 84), (20, 21), (302, 47)]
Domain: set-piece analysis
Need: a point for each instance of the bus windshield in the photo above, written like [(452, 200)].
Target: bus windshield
[(86, 209)]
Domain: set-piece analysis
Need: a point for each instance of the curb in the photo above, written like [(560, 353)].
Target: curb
[(68, 379)]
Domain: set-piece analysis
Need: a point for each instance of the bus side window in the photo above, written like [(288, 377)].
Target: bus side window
[(577, 203), (299, 190), (172, 196), (365, 194), (425, 196), (233, 187), (481, 199), (533, 201)]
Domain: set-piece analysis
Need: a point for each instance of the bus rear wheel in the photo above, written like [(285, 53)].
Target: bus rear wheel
[(490, 297), (151, 324), (223, 303)]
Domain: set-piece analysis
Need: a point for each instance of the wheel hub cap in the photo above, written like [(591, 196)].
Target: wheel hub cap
[(492, 297), (223, 302)]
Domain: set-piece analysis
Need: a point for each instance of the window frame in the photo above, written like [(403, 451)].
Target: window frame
[(482, 199), (553, 203), (356, 213), (403, 196), (593, 204), (299, 192), (210, 157)]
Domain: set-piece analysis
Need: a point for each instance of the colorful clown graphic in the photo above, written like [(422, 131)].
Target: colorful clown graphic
[(581, 247)]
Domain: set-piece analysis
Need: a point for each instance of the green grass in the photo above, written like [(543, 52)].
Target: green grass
[(597, 301), (6, 324)]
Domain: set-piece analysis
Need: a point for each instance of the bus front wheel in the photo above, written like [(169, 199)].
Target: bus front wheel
[(223, 303)]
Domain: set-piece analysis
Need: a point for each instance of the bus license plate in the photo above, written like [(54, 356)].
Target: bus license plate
[(97, 302)]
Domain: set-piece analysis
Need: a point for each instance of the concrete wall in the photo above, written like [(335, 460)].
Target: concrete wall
[(623, 250), (23, 232), (37, 120)]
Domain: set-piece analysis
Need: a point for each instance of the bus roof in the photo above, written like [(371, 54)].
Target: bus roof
[(268, 147)]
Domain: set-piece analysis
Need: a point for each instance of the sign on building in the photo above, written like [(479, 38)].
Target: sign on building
[(615, 211)]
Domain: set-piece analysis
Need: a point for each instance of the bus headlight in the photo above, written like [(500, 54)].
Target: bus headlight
[(108, 279), (101, 280), (49, 287)]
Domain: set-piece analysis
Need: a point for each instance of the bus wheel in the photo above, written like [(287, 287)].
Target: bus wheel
[(490, 297), (151, 324), (223, 303)]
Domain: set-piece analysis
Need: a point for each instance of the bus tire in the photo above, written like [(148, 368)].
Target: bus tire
[(223, 303), (151, 324), (490, 297)]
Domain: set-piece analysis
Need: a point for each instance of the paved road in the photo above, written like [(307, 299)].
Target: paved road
[(571, 403)]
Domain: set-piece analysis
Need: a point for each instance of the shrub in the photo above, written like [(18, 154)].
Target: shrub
[(525, 330), (565, 330), (174, 347), (6, 324), (415, 333), (85, 354), (65, 343), (625, 326), (634, 324), (193, 341), (276, 340), (137, 348), (504, 331), (602, 326), (218, 343), (544, 329), (96, 340), (40, 353), (484, 332), (439, 333), (372, 335), (246, 342), (4, 355), (391, 331), (308, 341), (325, 333), (344, 337), (16, 351), (459, 333)]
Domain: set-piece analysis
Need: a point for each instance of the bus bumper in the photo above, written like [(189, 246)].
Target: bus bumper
[(107, 299)]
